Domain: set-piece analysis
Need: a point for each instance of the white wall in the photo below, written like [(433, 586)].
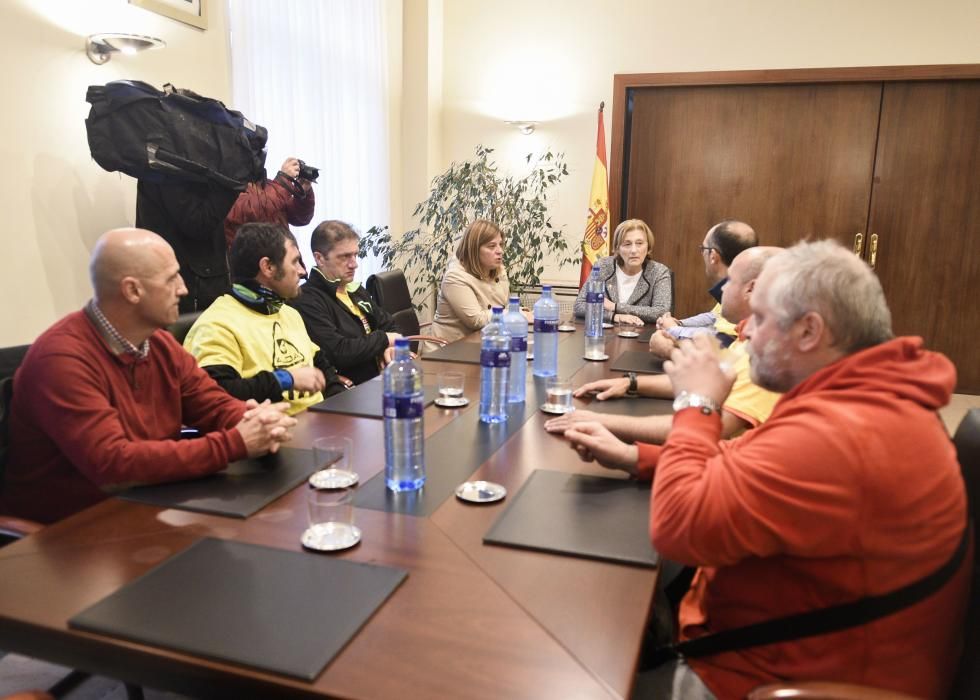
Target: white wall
[(55, 199), (511, 59)]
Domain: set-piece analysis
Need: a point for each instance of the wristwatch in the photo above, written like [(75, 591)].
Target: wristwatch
[(688, 400), (632, 390)]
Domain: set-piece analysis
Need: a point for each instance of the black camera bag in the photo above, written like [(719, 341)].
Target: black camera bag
[(172, 136)]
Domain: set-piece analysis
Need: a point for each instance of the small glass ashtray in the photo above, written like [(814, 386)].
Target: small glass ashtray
[(480, 492)]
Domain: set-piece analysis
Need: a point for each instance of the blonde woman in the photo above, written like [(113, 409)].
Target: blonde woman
[(474, 281), (638, 288)]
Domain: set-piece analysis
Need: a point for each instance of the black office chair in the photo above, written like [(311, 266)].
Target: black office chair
[(966, 684), (389, 289), (182, 325)]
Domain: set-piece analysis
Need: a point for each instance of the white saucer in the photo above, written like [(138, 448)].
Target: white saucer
[(628, 334), (555, 410), (452, 402), (331, 537), (600, 358), (332, 479), (570, 328), (480, 492), (606, 324)]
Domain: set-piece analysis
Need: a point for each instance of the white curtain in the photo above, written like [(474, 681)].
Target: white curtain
[(314, 73)]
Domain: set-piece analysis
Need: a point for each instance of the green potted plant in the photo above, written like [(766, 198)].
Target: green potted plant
[(474, 189)]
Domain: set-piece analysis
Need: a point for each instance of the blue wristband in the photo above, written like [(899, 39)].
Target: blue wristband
[(285, 379)]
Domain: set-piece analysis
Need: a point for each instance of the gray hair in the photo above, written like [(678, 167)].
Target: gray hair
[(827, 278)]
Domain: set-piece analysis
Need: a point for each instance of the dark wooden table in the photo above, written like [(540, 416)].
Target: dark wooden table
[(470, 620)]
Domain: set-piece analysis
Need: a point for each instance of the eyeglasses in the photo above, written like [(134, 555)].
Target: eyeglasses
[(705, 248)]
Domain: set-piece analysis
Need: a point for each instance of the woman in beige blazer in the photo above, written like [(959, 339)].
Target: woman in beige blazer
[(474, 281)]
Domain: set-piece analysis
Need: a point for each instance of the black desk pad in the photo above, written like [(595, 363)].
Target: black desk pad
[(269, 609), (637, 361), (242, 489), (458, 450), (468, 353), (585, 516), (639, 407), (364, 400), (646, 333)]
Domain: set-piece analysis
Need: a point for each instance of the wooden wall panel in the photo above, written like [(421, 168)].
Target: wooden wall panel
[(794, 161), (926, 211)]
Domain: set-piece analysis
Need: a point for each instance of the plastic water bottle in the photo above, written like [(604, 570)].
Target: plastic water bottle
[(403, 405), (494, 368), (595, 296), (517, 327), (546, 335)]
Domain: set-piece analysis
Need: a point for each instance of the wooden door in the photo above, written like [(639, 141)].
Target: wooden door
[(925, 209), (795, 161)]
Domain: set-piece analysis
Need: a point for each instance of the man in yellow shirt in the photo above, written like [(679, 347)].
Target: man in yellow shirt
[(249, 341), (747, 405)]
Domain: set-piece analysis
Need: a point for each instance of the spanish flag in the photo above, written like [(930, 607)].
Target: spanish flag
[(595, 243)]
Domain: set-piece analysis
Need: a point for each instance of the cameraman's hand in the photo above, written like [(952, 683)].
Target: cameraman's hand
[(290, 167)]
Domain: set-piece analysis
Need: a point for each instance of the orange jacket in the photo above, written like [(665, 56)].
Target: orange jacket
[(850, 489)]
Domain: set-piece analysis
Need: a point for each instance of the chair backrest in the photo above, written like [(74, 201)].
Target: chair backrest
[(179, 328), (390, 291), (967, 442), (10, 359)]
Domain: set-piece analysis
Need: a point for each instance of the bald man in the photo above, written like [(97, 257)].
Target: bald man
[(100, 398), (721, 245), (747, 404)]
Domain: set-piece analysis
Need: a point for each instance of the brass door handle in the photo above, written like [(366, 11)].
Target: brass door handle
[(859, 244), (873, 250)]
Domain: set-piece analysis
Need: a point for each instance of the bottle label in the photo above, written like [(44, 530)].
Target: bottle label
[(594, 297), (494, 358), (545, 325), (518, 343), (403, 406)]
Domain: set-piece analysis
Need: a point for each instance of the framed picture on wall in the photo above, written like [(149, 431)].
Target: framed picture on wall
[(193, 12)]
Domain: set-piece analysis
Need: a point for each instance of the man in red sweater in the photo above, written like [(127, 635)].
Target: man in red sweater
[(100, 398), (850, 489)]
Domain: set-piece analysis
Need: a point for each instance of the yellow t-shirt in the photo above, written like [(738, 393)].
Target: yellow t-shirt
[(722, 324), (344, 298), (229, 333), (747, 400)]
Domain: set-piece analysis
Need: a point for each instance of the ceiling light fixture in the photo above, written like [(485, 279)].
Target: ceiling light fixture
[(526, 128), (100, 47)]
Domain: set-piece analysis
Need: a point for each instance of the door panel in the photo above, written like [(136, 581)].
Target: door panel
[(794, 161), (925, 208)]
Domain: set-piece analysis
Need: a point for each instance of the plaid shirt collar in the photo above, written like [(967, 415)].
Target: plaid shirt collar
[(115, 338)]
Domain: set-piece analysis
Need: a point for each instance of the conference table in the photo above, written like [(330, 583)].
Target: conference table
[(469, 620)]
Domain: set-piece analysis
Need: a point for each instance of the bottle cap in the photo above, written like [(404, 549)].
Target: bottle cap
[(496, 309), (545, 287), (514, 299), (401, 342)]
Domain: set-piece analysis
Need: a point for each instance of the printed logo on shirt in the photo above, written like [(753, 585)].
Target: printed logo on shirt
[(284, 353)]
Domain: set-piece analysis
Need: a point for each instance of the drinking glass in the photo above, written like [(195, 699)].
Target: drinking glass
[(559, 395), (624, 329), (451, 389), (331, 518), (332, 458)]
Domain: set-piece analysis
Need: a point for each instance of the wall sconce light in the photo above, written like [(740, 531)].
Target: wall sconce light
[(100, 47), (526, 128)]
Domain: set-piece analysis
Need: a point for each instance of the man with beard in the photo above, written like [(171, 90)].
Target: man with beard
[(849, 490), (249, 341)]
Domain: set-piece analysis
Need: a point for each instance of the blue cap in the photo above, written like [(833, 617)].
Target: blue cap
[(514, 299), (496, 309), (545, 287), (401, 342)]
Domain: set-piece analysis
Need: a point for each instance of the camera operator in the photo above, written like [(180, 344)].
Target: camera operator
[(287, 199)]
